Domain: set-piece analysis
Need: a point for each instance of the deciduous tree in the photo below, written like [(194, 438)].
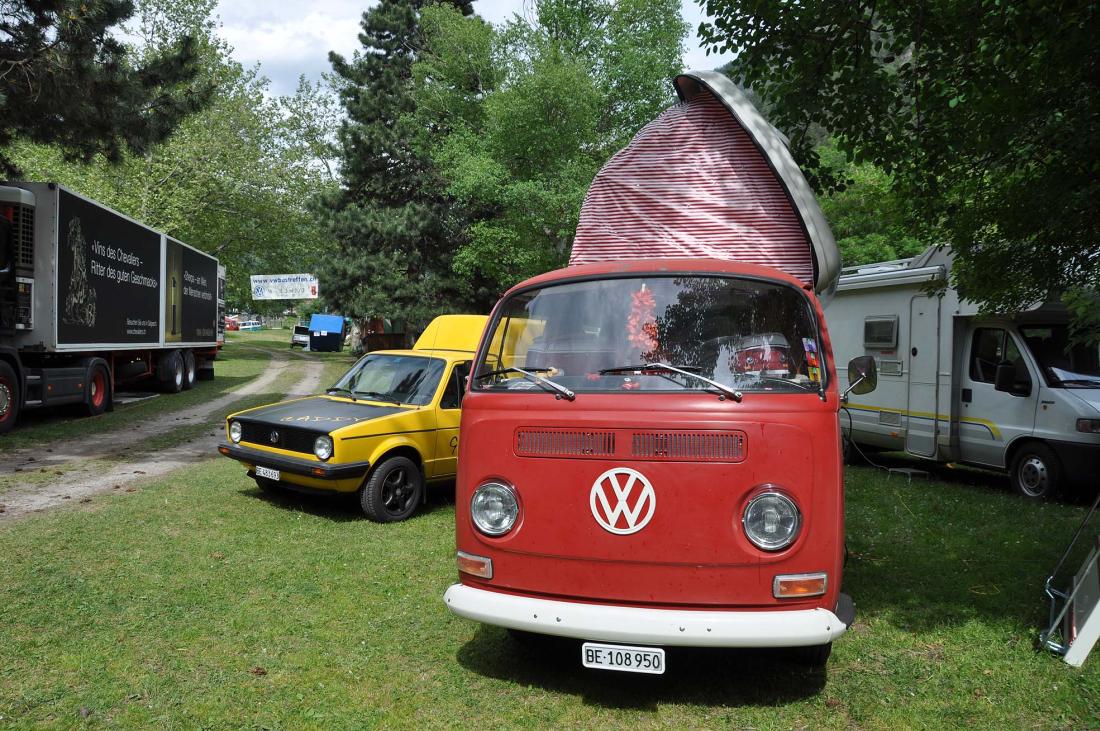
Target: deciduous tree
[(986, 116)]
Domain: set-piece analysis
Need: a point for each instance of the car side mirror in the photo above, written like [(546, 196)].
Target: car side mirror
[(1004, 379), (862, 376)]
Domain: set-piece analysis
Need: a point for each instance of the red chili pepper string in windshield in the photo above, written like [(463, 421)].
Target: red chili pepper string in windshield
[(642, 324)]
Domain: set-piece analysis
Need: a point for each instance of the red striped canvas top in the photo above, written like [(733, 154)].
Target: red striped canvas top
[(691, 184)]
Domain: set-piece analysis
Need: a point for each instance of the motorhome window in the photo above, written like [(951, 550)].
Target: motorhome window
[(748, 334), (990, 348), (880, 332), (406, 379), (1064, 364)]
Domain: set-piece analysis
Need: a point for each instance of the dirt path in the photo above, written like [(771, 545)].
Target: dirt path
[(72, 484)]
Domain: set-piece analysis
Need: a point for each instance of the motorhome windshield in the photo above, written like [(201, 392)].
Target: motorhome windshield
[(1064, 364), (400, 379), (610, 334)]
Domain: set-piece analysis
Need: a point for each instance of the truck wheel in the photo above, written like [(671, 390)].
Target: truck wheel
[(1036, 472), (97, 394), (9, 397), (170, 371), (188, 370), (393, 490)]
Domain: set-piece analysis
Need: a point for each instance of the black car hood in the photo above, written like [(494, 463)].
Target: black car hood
[(319, 413)]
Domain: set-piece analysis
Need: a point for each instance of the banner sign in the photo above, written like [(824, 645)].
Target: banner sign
[(284, 287)]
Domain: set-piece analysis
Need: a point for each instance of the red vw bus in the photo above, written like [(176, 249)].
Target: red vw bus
[(650, 450)]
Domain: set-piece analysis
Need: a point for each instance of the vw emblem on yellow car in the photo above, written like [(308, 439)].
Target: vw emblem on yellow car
[(274, 438), (622, 501)]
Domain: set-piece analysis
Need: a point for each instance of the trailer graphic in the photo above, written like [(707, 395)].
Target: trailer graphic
[(90, 298)]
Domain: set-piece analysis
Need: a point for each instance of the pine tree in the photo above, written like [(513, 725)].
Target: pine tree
[(66, 80), (397, 232)]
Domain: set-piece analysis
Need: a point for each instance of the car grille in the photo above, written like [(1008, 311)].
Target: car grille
[(289, 438), (564, 443), (682, 446)]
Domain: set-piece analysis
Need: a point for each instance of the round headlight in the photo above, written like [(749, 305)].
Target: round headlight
[(235, 431), (322, 447), (494, 508), (771, 521)]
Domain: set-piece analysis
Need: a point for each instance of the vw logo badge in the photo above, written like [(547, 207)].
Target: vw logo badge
[(622, 501), (274, 438)]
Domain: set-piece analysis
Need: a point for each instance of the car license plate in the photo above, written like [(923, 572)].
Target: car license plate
[(267, 472), (623, 657)]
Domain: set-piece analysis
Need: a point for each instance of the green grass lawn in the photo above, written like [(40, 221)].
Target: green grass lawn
[(235, 366), (200, 602), (244, 357)]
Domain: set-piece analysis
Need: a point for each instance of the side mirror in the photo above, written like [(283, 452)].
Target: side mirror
[(1004, 378), (862, 375)]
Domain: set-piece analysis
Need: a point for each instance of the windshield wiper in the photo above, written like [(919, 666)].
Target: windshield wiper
[(683, 371), (560, 390), (377, 396), (341, 389)]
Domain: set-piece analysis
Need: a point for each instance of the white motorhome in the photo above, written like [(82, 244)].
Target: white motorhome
[(1008, 393)]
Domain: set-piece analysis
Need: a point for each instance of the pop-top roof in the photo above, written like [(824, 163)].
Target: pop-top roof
[(708, 178)]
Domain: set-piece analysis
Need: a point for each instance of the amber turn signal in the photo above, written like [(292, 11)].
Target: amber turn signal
[(795, 586), (474, 565)]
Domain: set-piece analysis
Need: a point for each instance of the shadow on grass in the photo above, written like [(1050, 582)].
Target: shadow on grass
[(711, 676), (932, 554), (344, 507)]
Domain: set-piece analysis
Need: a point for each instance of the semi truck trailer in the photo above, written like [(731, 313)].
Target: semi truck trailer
[(91, 299)]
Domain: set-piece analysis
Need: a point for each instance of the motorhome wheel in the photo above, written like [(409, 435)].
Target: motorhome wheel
[(1036, 472)]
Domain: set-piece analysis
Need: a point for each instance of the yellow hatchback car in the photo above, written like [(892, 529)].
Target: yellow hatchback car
[(387, 428)]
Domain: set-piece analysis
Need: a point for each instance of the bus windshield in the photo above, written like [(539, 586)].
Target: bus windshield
[(621, 335), (1065, 364)]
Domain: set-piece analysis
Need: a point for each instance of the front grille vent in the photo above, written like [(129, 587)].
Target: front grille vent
[(564, 443), (689, 446), (294, 440), (23, 236)]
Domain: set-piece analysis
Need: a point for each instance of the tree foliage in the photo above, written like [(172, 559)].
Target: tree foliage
[(521, 117), (985, 115), (395, 229), (233, 179), (66, 80)]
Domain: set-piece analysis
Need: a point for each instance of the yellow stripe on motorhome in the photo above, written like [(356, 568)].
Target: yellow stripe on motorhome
[(929, 415)]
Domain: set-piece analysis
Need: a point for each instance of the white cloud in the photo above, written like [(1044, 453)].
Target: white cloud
[(291, 39)]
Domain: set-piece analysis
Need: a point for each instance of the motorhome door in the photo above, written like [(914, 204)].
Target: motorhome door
[(924, 367)]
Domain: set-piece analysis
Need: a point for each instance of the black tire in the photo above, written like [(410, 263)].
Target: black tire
[(393, 491), (9, 397), (170, 371), (189, 370), (97, 390), (1036, 473), (813, 656)]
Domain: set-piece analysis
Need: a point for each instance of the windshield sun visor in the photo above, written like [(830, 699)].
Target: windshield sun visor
[(708, 178)]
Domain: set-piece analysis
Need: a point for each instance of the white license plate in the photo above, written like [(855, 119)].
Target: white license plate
[(267, 472), (623, 657)]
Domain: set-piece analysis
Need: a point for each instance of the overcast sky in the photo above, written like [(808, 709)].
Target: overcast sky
[(290, 39)]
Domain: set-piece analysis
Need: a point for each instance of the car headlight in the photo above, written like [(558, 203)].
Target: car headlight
[(322, 446), (771, 521), (235, 431), (494, 508)]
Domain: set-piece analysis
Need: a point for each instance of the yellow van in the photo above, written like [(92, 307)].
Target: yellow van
[(384, 430)]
